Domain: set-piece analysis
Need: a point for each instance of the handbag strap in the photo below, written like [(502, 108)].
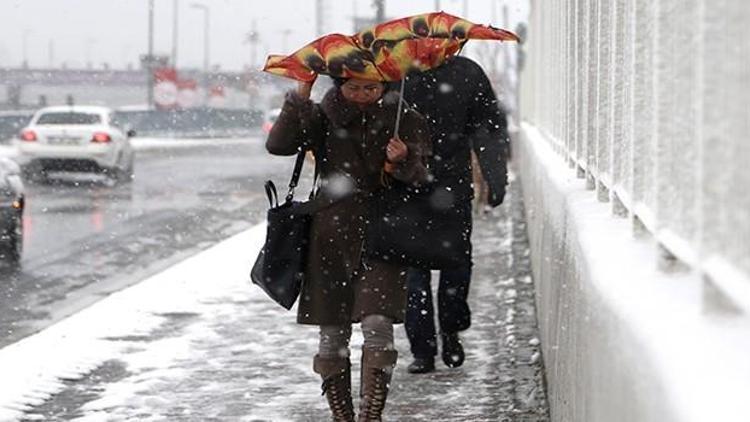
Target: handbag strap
[(273, 196), (319, 157), (295, 175)]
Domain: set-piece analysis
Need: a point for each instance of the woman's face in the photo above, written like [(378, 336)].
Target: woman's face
[(362, 92)]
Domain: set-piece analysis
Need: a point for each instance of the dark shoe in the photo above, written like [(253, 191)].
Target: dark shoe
[(453, 351), (421, 365), (337, 386), (377, 367)]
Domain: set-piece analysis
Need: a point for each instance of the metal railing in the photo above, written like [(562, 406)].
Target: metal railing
[(187, 123), (649, 101), (191, 123)]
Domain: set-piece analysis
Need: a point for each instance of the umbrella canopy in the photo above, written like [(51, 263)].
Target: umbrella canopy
[(335, 54), (385, 52), (422, 42)]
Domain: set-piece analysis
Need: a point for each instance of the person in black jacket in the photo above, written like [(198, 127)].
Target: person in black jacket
[(463, 114)]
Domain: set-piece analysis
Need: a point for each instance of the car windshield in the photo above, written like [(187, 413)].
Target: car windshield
[(68, 118)]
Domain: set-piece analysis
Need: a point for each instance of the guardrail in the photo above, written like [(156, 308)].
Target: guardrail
[(195, 122), (648, 100), (188, 123)]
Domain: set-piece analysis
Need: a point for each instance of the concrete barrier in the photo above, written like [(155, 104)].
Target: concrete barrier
[(623, 340)]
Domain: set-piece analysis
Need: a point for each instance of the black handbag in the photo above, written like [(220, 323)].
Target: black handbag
[(280, 266), (418, 227)]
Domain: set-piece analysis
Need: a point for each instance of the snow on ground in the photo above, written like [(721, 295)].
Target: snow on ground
[(34, 368), (198, 342)]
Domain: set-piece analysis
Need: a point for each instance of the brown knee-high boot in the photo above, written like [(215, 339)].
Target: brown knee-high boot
[(337, 386), (377, 368)]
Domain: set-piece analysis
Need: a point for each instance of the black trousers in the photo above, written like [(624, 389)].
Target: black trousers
[(453, 309)]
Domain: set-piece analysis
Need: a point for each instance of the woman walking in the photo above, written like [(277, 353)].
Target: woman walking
[(351, 134)]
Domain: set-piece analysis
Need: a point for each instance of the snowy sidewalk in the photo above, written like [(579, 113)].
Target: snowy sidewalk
[(200, 343)]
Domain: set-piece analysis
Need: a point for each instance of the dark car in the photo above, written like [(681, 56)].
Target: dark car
[(11, 122), (11, 212)]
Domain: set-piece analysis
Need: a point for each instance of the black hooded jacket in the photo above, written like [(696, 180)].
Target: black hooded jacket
[(462, 112)]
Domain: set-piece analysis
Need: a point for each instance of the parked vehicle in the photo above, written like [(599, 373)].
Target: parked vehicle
[(11, 212), (75, 139), (11, 123)]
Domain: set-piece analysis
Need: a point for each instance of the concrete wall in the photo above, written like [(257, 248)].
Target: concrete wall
[(622, 339), (648, 99), (634, 158)]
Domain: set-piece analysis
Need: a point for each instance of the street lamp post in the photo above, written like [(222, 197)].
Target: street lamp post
[(175, 30), (284, 36), (206, 52), (90, 42), (26, 33), (252, 38), (150, 58), (319, 6), (51, 53), (379, 10)]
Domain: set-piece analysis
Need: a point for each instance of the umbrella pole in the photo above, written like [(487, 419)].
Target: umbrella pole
[(400, 107)]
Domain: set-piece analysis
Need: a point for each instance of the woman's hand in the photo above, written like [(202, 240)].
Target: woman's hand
[(396, 151), (304, 89)]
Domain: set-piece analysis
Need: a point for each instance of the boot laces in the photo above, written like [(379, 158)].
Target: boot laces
[(375, 399), (338, 400)]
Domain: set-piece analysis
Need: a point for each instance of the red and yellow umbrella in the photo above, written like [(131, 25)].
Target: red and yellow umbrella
[(422, 42), (335, 54), (385, 52)]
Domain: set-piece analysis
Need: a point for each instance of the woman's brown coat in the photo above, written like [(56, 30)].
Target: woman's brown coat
[(339, 287)]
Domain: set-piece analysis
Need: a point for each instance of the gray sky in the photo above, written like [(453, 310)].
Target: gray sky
[(114, 31)]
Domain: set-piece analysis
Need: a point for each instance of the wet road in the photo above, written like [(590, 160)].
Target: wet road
[(85, 238)]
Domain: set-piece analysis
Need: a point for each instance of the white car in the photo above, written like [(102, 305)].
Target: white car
[(75, 139)]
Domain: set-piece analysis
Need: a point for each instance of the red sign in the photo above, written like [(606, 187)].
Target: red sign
[(165, 88), (187, 93), (217, 97)]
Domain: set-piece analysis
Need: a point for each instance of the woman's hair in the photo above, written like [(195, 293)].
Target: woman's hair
[(338, 81)]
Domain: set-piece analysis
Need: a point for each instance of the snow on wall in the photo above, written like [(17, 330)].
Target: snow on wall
[(622, 340), (633, 161), (648, 100)]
